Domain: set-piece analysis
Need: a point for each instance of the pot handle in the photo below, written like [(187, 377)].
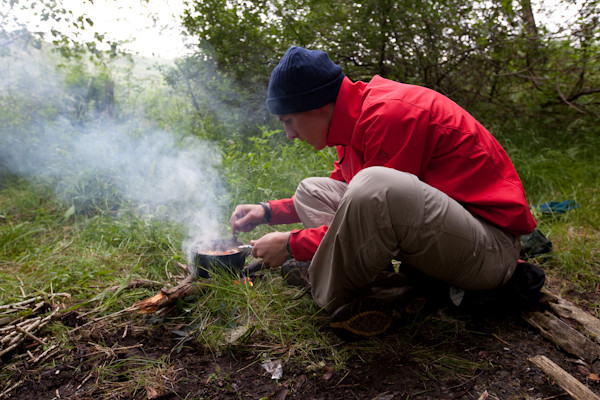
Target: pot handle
[(245, 249)]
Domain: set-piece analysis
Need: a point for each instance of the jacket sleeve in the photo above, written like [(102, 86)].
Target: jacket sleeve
[(304, 242), (283, 212)]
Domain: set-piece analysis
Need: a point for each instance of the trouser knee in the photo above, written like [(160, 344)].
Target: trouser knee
[(317, 199), (306, 187), (374, 185)]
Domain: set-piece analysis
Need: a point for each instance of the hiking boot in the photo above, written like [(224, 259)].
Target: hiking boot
[(521, 291), (295, 273), (361, 318), (399, 291), (403, 300)]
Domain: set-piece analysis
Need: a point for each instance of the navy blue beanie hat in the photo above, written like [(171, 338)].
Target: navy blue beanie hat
[(303, 80)]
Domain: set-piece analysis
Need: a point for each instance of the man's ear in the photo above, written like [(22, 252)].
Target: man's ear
[(327, 108)]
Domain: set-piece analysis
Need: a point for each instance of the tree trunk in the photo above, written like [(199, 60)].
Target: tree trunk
[(531, 33)]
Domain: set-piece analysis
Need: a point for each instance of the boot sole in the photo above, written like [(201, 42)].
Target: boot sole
[(357, 325), (361, 319)]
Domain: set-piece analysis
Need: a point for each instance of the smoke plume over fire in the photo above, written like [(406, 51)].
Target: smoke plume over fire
[(162, 173)]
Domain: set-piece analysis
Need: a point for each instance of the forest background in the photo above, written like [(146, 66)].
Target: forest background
[(111, 165)]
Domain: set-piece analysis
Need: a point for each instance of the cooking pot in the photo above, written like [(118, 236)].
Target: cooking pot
[(228, 254)]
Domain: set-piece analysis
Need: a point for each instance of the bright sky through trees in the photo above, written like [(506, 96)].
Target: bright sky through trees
[(150, 28), (153, 28)]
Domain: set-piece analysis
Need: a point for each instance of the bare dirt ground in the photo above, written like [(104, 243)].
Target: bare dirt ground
[(488, 358)]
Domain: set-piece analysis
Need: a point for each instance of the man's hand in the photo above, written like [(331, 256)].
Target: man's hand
[(271, 248), (246, 217)]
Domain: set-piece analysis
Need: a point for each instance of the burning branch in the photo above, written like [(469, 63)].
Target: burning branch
[(168, 297)]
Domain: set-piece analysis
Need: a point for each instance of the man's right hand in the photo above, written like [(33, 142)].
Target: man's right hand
[(246, 217)]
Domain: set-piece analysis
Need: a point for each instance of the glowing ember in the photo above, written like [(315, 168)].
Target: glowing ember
[(245, 281)]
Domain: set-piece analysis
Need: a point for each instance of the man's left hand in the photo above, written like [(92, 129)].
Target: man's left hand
[(272, 248)]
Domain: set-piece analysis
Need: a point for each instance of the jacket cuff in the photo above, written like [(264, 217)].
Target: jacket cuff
[(304, 242)]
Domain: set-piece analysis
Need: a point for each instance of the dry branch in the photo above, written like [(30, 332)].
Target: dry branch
[(15, 334), (576, 389), (168, 297), (21, 322)]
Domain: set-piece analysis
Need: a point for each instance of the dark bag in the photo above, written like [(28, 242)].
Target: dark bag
[(535, 244), (522, 290)]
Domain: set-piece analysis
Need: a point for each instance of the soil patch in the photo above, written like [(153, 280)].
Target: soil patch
[(485, 355)]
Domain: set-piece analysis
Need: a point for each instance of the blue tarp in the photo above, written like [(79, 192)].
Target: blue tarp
[(556, 207)]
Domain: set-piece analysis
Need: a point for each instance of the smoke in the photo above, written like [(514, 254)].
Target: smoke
[(164, 174)]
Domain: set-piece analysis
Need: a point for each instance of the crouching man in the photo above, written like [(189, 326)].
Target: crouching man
[(418, 180)]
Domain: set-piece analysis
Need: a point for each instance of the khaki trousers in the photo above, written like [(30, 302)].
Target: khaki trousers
[(384, 214)]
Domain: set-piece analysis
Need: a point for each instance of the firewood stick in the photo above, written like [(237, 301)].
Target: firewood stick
[(31, 300), (21, 324), (182, 266), (136, 283), (167, 297), (128, 309), (576, 389), (84, 381), (559, 332), (30, 323)]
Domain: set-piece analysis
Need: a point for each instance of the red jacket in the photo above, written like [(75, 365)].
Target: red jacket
[(417, 130)]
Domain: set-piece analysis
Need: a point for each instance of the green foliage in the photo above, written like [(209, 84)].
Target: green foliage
[(270, 167), (239, 33), (491, 57), (90, 93)]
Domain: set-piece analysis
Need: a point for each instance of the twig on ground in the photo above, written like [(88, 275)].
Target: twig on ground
[(182, 266), (115, 314), (20, 303), (10, 389), (19, 327), (45, 354), (84, 380), (500, 339), (30, 335)]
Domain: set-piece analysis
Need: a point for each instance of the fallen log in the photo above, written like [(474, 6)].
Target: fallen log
[(566, 337), (587, 323), (168, 297), (576, 389)]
